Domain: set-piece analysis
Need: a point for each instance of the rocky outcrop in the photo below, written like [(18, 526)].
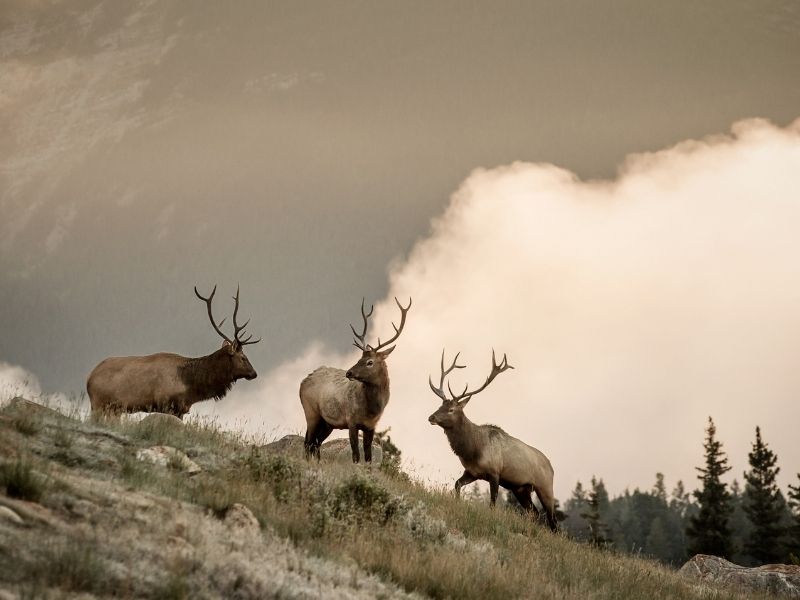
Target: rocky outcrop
[(9, 515), (781, 580), (166, 456), (337, 450), (289, 444), (162, 420)]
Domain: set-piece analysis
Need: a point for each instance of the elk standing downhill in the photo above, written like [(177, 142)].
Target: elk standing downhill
[(170, 383), (490, 454), (352, 400)]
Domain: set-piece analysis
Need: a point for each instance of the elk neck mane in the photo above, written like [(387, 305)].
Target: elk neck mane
[(464, 440), (376, 395), (208, 376)]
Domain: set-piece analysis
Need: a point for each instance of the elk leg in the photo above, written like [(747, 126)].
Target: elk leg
[(315, 435), (549, 504), (323, 431), (308, 443), (523, 496), (465, 479), (494, 488), (368, 435), (354, 443)]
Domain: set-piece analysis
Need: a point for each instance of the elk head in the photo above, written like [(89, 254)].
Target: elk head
[(233, 349), (451, 412), (371, 367)]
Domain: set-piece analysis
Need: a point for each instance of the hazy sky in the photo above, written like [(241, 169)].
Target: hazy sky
[(302, 149)]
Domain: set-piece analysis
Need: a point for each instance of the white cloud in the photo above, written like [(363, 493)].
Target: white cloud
[(632, 309), (253, 406), (17, 381)]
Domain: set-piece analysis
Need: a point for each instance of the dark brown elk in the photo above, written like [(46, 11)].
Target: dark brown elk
[(490, 454), (352, 399), (170, 383)]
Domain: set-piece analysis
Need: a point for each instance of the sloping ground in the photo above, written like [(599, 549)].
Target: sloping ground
[(81, 516), (94, 531)]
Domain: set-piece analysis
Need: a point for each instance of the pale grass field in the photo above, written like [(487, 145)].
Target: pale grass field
[(352, 531)]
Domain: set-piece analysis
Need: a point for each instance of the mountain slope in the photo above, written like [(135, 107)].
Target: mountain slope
[(84, 511)]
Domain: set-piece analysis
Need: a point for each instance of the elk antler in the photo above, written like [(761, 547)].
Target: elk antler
[(445, 372), (467, 394), (237, 329), (397, 330), (211, 316), (359, 338)]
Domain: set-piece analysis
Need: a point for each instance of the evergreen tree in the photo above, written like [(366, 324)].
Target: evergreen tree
[(658, 543), (660, 489), (597, 527), (680, 499), (708, 531), (740, 525), (574, 524), (578, 498), (794, 537), (763, 504)]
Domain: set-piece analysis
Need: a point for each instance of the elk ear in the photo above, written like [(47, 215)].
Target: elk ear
[(463, 403), (227, 345), (386, 352)]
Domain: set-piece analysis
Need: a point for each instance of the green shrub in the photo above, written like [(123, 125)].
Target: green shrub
[(276, 470), (21, 481), (361, 498)]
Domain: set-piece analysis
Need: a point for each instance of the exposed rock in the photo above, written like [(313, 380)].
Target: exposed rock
[(9, 515), (160, 420), (241, 519), (167, 456), (337, 450), (289, 444), (782, 580), (20, 405)]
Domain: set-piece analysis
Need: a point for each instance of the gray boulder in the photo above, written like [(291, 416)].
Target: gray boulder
[(167, 456), (337, 450), (161, 420), (289, 444), (781, 580)]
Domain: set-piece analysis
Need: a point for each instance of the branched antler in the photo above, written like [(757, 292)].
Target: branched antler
[(445, 372), (467, 394), (360, 337), (211, 316), (397, 330), (237, 329)]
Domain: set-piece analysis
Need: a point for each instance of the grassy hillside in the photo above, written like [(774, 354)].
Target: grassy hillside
[(96, 519)]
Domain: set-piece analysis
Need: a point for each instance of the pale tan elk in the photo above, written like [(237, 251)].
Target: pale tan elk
[(170, 383), (352, 399), (490, 454)]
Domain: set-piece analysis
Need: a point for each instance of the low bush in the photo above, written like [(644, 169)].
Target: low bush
[(21, 481)]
